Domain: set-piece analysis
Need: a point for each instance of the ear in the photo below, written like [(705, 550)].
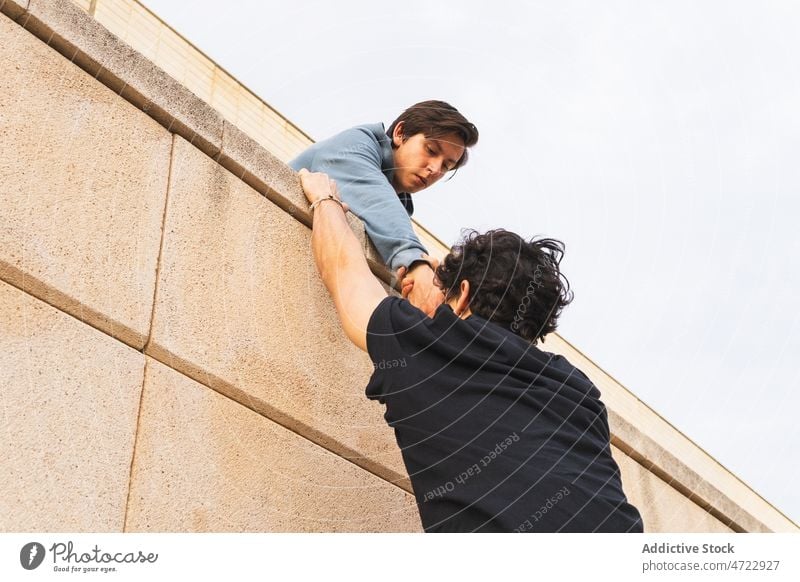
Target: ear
[(462, 302), (398, 134)]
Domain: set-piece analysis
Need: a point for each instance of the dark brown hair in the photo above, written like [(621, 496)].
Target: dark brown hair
[(436, 119), (513, 282)]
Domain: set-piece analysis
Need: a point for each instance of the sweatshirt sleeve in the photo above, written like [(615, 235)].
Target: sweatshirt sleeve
[(353, 159)]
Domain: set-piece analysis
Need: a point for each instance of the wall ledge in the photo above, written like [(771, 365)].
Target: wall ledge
[(638, 430)]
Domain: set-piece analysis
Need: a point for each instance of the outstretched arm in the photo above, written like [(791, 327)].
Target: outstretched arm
[(340, 261), (353, 158)]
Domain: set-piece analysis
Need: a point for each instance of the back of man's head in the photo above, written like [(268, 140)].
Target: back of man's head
[(436, 119), (513, 282)]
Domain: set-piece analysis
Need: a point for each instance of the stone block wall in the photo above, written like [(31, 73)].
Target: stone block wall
[(169, 358)]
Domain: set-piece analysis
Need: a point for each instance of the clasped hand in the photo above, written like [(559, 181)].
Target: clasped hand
[(418, 285)]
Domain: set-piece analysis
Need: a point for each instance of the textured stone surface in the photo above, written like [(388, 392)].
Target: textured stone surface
[(206, 463), (70, 399), (663, 508), (680, 466), (662, 464), (79, 37), (84, 187), (257, 167), (261, 170), (240, 307)]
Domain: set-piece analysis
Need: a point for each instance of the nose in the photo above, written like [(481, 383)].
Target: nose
[(435, 166)]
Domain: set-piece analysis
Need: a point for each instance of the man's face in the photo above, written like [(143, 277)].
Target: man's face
[(420, 161)]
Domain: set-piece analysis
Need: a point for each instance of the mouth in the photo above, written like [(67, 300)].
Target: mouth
[(422, 181)]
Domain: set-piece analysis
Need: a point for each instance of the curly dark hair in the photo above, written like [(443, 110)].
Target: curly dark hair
[(513, 282)]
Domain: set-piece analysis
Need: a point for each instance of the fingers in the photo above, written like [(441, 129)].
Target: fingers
[(317, 181), (318, 185), (406, 283), (426, 301)]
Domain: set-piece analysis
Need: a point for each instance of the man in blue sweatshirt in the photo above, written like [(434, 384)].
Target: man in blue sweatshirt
[(378, 170)]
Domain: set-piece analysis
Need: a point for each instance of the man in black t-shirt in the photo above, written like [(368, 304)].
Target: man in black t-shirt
[(496, 435)]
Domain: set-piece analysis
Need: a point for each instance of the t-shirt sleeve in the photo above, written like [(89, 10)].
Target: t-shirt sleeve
[(392, 318)]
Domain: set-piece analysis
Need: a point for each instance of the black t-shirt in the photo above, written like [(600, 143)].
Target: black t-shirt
[(496, 434)]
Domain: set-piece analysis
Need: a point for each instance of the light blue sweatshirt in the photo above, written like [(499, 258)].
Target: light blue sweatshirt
[(360, 159)]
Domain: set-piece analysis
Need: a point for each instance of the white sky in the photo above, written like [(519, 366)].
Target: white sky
[(658, 140)]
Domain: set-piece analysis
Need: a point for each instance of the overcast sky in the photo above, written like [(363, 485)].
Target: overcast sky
[(658, 140)]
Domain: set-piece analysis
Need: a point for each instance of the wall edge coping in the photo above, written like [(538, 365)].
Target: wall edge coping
[(76, 35)]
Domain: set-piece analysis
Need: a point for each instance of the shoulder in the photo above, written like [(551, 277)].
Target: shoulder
[(372, 132), (395, 323), (394, 315), (362, 147), (564, 370), (363, 141), (358, 139)]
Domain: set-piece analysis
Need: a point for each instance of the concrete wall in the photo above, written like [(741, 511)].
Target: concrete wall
[(169, 359)]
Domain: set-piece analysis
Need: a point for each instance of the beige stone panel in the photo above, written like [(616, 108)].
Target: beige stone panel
[(205, 463), (240, 307), (662, 507), (87, 43), (70, 400), (264, 172), (250, 162), (146, 33), (84, 178), (84, 4)]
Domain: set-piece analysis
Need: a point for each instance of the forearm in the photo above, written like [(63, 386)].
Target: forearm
[(337, 252), (353, 160), (340, 259), (387, 224)]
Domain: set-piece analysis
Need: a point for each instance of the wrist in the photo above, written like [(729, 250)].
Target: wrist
[(319, 201)]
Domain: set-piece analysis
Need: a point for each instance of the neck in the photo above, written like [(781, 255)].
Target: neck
[(463, 314)]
